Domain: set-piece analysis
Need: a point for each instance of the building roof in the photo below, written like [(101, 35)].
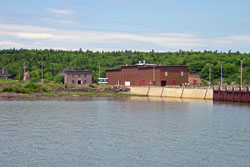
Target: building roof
[(152, 65), (77, 72), (145, 66), (112, 70), (4, 72)]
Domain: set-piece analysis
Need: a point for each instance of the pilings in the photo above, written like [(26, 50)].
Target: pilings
[(232, 95)]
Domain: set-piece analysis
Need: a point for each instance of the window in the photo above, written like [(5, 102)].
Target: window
[(79, 75), (85, 75), (73, 75), (166, 74), (73, 81), (182, 73), (84, 81)]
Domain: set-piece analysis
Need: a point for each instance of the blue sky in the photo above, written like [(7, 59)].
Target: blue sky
[(107, 25)]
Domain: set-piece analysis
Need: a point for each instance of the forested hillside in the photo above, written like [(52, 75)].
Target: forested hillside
[(55, 61)]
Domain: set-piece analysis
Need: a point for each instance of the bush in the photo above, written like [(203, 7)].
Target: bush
[(59, 78), (28, 88), (92, 86)]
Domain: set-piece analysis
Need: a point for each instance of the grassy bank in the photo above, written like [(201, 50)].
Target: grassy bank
[(50, 89), (28, 88), (89, 94)]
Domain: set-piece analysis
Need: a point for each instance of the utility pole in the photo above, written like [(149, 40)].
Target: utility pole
[(99, 70), (209, 65), (24, 67), (42, 69), (241, 71), (19, 71), (221, 63)]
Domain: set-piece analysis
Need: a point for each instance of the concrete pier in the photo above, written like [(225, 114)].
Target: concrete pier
[(194, 93), (173, 92), (140, 90), (188, 93), (155, 91)]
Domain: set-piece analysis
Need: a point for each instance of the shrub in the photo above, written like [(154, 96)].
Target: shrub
[(91, 86), (28, 88)]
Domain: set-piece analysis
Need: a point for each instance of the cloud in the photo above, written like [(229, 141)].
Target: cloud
[(44, 37), (10, 44), (33, 35), (60, 21), (60, 11)]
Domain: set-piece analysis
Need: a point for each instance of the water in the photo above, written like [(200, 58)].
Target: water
[(124, 132)]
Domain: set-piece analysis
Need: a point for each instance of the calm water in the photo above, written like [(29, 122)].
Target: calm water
[(123, 132)]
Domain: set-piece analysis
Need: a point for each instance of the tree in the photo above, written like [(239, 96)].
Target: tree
[(59, 78), (48, 76)]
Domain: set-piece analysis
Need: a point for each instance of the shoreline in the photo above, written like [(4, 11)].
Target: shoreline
[(10, 96)]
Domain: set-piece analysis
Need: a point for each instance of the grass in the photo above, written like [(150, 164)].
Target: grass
[(9, 82), (29, 88), (89, 94)]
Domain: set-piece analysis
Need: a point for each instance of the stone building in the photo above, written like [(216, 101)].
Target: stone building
[(4, 74), (77, 77)]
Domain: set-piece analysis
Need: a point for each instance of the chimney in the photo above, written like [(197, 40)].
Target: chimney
[(139, 62), (2, 71), (144, 62)]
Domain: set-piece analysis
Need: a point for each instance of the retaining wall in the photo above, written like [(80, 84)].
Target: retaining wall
[(189, 93), (139, 90), (210, 94), (194, 93), (155, 91), (172, 92)]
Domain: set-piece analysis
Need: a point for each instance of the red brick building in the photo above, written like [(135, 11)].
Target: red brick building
[(77, 77), (148, 75), (194, 79)]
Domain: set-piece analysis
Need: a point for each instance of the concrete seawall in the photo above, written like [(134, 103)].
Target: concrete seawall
[(155, 91), (194, 93), (173, 92), (188, 93), (140, 90)]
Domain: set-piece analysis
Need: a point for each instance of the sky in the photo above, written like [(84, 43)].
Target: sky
[(113, 25)]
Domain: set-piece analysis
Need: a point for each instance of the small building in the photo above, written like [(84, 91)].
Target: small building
[(4, 74), (26, 76), (194, 79), (77, 77), (144, 74)]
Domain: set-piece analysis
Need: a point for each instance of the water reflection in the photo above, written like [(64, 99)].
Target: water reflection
[(134, 131)]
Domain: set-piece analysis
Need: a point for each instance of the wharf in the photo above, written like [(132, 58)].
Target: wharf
[(216, 93)]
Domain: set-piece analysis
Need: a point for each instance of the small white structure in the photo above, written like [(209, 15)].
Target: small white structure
[(26, 76), (103, 80), (127, 83)]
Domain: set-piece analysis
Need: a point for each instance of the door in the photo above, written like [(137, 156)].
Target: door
[(143, 83), (163, 83), (79, 81), (195, 82), (173, 82)]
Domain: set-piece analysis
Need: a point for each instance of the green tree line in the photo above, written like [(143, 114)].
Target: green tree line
[(54, 61)]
